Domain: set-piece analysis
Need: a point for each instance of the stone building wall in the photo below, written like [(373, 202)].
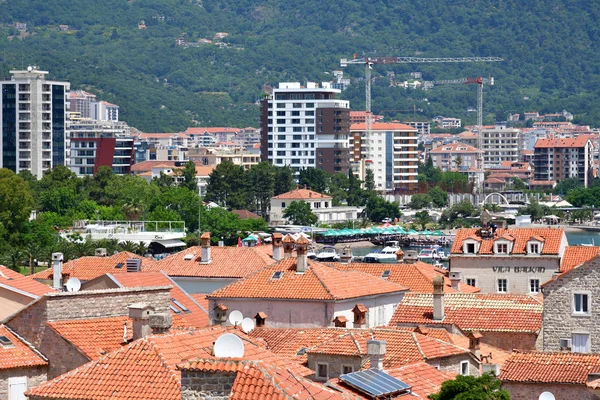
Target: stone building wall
[(206, 386), (335, 363), (532, 391), (510, 340), (452, 364), (35, 376), (559, 321), (62, 355)]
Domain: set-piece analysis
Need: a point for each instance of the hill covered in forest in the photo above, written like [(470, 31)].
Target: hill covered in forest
[(126, 52)]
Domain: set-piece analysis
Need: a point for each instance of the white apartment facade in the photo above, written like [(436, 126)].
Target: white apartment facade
[(500, 144), (390, 151), (33, 115), (304, 127)]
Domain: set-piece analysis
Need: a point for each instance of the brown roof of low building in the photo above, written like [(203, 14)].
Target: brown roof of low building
[(302, 194), (19, 354), (537, 367)]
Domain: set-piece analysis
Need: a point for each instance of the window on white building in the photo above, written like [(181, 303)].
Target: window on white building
[(580, 343), (581, 303), (502, 285), (534, 286), (471, 282), (501, 248)]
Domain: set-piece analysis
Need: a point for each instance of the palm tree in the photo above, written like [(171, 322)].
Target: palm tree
[(34, 251), (12, 257), (458, 161), (128, 246), (142, 249), (133, 210)]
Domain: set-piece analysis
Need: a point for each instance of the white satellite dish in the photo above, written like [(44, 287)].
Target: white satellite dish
[(229, 345), (235, 317), (73, 285), (248, 325), (30, 68), (546, 396)]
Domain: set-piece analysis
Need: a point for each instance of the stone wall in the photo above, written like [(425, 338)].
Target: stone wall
[(532, 391), (205, 385), (335, 363), (510, 340), (559, 321), (35, 376), (62, 355), (452, 364)]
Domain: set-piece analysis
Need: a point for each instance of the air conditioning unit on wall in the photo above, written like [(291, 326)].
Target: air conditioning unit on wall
[(565, 344)]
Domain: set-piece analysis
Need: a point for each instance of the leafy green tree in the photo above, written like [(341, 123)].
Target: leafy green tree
[(12, 256), (466, 387), (535, 210), (423, 218), (369, 180), (261, 179), (299, 213), (463, 209), (356, 195), (458, 161), (188, 173), (177, 200), (315, 179), (378, 208), (284, 180), (227, 186), (420, 200), (439, 197), (565, 186), (338, 188), (518, 183), (163, 180), (16, 202)]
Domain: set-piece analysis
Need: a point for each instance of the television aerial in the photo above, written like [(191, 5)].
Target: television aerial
[(248, 325), (235, 317), (73, 285), (229, 345)]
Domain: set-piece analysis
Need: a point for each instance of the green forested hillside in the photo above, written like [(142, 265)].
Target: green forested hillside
[(551, 48)]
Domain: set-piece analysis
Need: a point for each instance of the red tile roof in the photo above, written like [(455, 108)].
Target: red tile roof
[(453, 148), (245, 214), (227, 262), (417, 277), (477, 311), (146, 166), (15, 281), (541, 183), (319, 282), (88, 268), (575, 142), (302, 194), (577, 255), (147, 368), (553, 239), (534, 367), (197, 317), (20, 355), (382, 126)]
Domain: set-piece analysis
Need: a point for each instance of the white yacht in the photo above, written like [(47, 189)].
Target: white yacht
[(328, 253), (387, 255)]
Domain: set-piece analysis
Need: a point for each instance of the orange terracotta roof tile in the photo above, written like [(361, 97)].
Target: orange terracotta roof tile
[(19, 354), (13, 280), (88, 268), (476, 311), (147, 368), (423, 378), (227, 262), (319, 282), (553, 238), (201, 299), (577, 255), (575, 142), (146, 166), (245, 214), (417, 277), (197, 315), (535, 367), (302, 194)]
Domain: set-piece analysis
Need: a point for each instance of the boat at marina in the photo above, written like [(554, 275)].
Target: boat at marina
[(387, 255), (328, 253), (430, 255)]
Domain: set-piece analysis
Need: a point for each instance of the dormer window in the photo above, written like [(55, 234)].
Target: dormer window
[(470, 246), (535, 245), (534, 248), (501, 248)]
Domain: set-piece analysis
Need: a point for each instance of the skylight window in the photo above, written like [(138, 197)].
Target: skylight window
[(301, 352), (119, 265), (175, 309), (183, 308), (188, 256), (386, 273), (277, 275), (4, 341)]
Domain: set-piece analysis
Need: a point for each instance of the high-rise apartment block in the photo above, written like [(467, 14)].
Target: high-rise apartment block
[(87, 106), (556, 159), (500, 144), (33, 113), (305, 127)]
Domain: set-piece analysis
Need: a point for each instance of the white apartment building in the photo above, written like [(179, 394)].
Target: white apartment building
[(305, 127), (500, 144), (87, 106), (33, 114), (459, 157), (390, 151), (104, 111)]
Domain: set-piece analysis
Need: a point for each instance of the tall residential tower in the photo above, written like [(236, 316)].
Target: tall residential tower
[(33, 113)]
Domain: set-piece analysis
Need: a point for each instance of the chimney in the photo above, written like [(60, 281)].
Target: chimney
[(376, 352), (410, 257), (474, 338), (288, 246), (438, 298), (205, 256), (399, 256), (346, 255), (133, 264), (57, 266), (160, 322), (301, 260), (277, 247), (140, 313), (455, 280)]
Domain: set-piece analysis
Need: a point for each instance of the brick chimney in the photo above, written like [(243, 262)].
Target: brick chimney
[(376, 353), (160, 322), (410, 257), (346, 255), (399, 256), (474, 339), (205, 256), (438, 298), (288, 246), (277, 247), (140, 314), (302, 259), (455, 279), (57, 266)]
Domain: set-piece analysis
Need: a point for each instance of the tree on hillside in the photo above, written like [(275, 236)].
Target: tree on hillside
[(466, 387), (299, 213), (420, 200), (188, 173)]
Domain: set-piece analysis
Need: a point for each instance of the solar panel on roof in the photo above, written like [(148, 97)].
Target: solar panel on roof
[(5, 341), (374, 383), (183, 308)]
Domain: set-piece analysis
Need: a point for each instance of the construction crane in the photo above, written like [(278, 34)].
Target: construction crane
[(369, 62)]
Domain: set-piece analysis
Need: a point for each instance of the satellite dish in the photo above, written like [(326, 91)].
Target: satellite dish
[(546, 396), (30, 68), (229, 345), (73, 285), (235, 317), (248, 325)]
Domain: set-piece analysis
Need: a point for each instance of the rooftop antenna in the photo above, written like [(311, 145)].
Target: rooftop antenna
[(248, 325), (229, 346), (235, 317), (73, 285)]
